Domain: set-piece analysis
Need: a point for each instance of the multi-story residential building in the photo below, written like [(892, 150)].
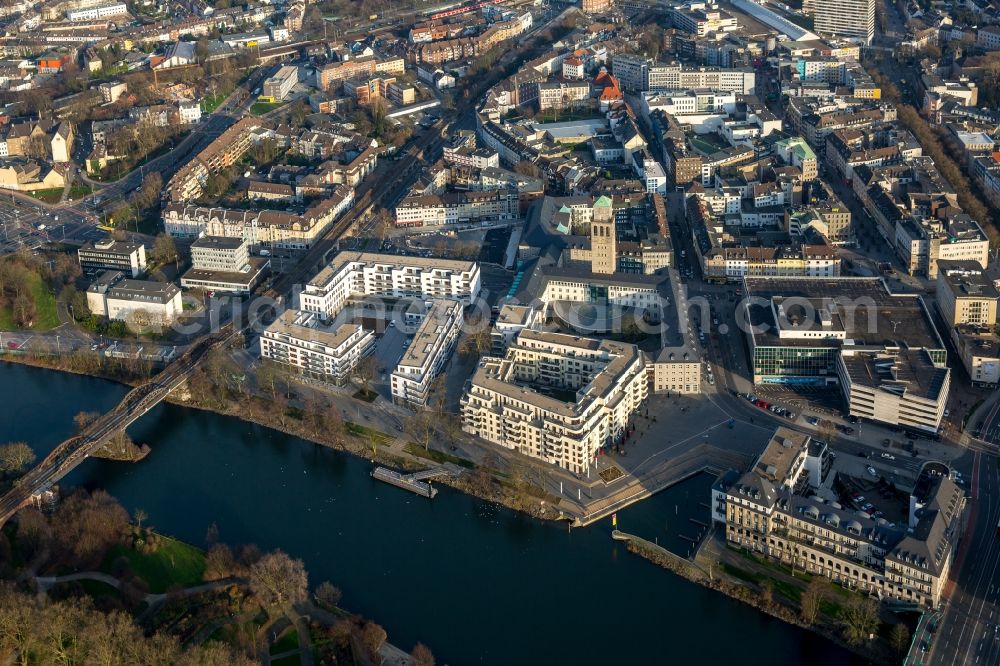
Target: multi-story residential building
[(458, 208), (965, 295), (772, 510), (112, 90), (506, 405), (268, 227), (845, 18), (299, 340), (988, 37), (921, 244), (97, 13), (364, 67), (368, 274), (424, 358), (139, 302), (462, 152), (967, 300), (112, 255)]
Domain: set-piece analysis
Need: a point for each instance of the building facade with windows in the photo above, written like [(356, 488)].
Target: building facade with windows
[(772, 511), (556, 397), (299, 340), (111, 255)]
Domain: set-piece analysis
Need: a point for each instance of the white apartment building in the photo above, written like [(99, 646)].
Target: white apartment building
[(189, 113), (370, 274), (298, 340), (688, 102), (845, 18), (94, 13), (423, 360), (510, 402), (674, 76)]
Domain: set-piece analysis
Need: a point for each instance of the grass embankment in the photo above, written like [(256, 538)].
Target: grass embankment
[(52, 195), (436, 456), (46, 318), (173, 564)]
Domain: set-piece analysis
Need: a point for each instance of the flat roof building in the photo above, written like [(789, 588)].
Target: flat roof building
[(111, 255)]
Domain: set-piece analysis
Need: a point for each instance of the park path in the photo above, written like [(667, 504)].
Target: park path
[(153, 601)]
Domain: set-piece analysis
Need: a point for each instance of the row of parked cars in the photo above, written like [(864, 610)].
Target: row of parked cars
[(764, 404), (866, 506)]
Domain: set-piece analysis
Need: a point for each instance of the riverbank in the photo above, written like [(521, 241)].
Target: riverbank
[(760, 586), (358, 440), (483, 484), (432, 571)]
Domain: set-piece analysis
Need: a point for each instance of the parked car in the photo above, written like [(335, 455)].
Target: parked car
[(871, 471)]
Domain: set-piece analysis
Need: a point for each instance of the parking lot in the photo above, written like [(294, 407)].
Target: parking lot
[(389, 348)]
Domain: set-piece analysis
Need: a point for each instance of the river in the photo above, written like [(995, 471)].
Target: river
[(477, 583)]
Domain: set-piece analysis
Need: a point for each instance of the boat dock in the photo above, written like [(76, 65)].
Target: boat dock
[(414, 482)]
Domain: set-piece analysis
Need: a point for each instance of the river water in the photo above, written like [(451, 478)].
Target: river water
[(478, 583)]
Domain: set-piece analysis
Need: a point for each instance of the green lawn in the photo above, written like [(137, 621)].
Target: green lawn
[(52, 195), (79, 191), (212, 102), (289, 641), (364, 431), (46, 317), (436, 456), (173, 563), (260, 108)]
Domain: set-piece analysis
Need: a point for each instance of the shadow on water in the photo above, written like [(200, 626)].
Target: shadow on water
[(478, 583)]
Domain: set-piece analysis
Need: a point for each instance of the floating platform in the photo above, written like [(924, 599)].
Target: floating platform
[(405, 481)]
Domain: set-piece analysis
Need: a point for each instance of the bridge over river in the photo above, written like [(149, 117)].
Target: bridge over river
[(136, 403)]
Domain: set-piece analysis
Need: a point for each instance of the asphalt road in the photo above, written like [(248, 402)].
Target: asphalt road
[(969, 633)]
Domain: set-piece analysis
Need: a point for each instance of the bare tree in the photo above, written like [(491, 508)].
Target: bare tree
[(811, 599), (84, 419), (365, 371), (900, 638), (859, 618), (138, 516), (421, 428), (766, 593), (373, 637), (421, 656), (276, 579), (15, 457), (328, 595)]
